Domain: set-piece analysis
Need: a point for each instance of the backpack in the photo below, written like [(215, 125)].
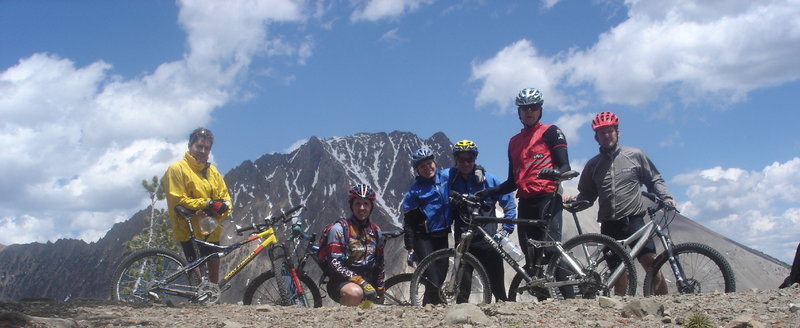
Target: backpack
[(323, 239)]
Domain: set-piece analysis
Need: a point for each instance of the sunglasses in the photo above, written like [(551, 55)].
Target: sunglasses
[(529, 107), (465, 160)]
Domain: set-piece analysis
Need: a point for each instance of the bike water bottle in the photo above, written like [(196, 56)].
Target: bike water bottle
[(512, 249)]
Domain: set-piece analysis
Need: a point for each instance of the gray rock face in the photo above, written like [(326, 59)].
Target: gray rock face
[(65, 269)]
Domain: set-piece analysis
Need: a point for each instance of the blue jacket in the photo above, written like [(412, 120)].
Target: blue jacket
[(473, 185), (431, 197)]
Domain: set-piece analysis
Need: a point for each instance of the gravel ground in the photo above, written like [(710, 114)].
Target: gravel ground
[(753, 308)]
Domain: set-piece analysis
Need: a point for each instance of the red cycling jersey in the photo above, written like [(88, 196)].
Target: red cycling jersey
[(531, 150)]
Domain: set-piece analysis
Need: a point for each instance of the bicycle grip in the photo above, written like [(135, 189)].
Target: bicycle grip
[(240, 230), (285, 215)]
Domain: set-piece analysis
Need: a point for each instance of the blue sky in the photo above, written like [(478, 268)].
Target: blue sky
[(97, 95)]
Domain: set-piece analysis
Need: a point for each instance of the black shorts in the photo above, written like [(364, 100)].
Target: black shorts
[(624, 228), (188, 250), (334, 289)]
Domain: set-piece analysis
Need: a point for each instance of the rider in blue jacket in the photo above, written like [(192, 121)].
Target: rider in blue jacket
[(426, 218)]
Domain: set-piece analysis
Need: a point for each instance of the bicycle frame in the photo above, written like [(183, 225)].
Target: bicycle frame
[(466, 238), (643, 235), (267, 238)]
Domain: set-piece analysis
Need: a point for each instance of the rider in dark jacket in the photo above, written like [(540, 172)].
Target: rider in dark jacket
[(353, 252)]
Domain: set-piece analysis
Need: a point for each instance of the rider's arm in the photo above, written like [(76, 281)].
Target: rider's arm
[(334, 254), (587, 189), (412, 220), (412, 215), (507, 202), (555, 139), (652, 179), (220, 190), (507, 186), (380, 262)]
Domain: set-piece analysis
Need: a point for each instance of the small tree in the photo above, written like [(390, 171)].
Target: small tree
[(158, 232)]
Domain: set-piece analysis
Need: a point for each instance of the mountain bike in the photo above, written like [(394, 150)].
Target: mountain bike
[(161, 275), (267, 288), (580, 262), (696, 268)]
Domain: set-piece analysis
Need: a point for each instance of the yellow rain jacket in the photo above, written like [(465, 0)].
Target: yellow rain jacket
[(192, 184)]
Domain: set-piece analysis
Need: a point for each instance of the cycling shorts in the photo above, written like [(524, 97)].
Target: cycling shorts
[(188, 250)]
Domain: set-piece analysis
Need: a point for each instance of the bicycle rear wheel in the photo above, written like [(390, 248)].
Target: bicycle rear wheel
[(398, 290), (473, 287), (706, 271), (141, 278), (264, 290), (597, 256)]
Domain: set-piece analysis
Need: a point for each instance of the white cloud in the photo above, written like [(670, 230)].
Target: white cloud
[(392, 37), (718, 50), (77, 141), (758, 208), (516, 67), (547, 4), (374, 10), (570, 123), (672, 140)]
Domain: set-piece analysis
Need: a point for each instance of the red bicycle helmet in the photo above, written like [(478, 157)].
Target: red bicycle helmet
[(604, 119), (360, 191)]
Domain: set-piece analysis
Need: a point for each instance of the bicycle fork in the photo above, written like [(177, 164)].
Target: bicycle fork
[(680, 278), (455, 272), (287, 274)]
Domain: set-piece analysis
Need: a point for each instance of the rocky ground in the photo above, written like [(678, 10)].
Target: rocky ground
[(753, 308)]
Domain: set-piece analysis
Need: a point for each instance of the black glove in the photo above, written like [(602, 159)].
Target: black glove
[(216, 207), (483, 194), (549, 173)]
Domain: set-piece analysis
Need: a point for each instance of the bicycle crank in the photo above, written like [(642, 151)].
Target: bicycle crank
[(208, 293)]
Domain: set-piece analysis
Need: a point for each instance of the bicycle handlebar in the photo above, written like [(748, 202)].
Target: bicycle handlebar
[(564, 176), (392, 234), (576, 206), (268, 222), (659, 203)]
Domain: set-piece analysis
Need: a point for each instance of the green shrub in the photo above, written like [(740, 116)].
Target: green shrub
[(698, 320)]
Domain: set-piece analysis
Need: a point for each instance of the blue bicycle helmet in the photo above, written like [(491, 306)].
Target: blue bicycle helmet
[(420, 155)]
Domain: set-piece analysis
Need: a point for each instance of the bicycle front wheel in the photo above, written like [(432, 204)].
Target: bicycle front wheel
[(398, 290), (142, 278), (437, 281), (264, 290), (705, 269), (597, 256)]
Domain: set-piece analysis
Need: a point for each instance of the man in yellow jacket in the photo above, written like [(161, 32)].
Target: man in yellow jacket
[(194, 183)]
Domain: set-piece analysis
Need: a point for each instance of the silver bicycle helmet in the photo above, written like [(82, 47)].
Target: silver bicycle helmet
[(529, 96)]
